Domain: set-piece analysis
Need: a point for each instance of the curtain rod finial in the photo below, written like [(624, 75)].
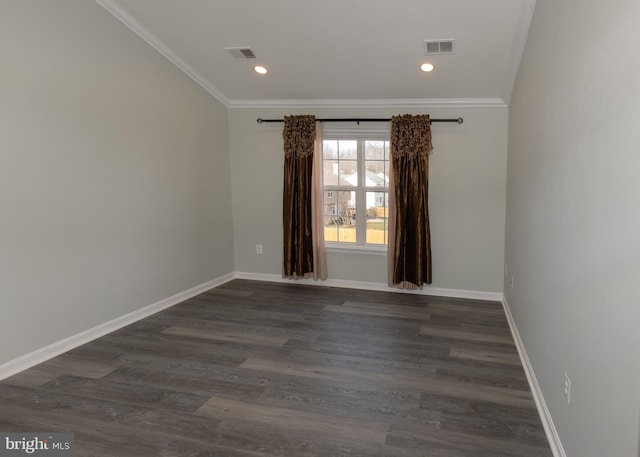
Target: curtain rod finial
[(460, 120), (259, 120)]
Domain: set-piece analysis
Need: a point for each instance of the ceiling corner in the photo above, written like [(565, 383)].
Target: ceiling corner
[(517, 49), (156, 43)]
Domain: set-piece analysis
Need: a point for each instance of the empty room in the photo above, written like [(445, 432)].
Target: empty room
[(358, 228)]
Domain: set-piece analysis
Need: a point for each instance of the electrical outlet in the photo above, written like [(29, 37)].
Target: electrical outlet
[(258, 249), (567, 388)]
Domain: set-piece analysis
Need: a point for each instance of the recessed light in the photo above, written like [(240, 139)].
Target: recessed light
[(426, 67), (261, 70)]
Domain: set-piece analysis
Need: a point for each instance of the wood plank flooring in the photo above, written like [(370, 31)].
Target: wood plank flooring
[(257, 369)]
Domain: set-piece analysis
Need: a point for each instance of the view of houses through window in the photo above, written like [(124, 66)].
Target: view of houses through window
[(356, 191)]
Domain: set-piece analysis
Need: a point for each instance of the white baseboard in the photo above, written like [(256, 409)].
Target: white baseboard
[(53, 350), (43, 354), (435, 291), (543, 411)]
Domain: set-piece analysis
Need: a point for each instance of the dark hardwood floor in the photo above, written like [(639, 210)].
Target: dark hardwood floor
[(265, 369)]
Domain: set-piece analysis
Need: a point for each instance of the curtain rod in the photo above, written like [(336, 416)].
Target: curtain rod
[(358, 120)]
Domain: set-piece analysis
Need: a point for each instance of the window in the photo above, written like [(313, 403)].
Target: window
[(356, 190)]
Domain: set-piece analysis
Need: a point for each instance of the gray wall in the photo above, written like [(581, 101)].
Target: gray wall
[(573, 218), (114, 174), (467, 196)]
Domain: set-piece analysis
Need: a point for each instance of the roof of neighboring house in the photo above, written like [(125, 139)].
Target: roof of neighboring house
[(372, 179), (331, 179), (377, 179)]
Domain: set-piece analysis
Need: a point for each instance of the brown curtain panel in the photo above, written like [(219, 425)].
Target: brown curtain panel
[(299, 136), (409, 236)]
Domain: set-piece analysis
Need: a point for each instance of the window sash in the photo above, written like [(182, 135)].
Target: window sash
[(360, 190)]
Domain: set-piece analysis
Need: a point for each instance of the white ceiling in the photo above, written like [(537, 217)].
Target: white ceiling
[(338, 51)]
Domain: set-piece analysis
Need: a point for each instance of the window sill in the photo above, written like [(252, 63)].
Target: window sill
[(355, 249)]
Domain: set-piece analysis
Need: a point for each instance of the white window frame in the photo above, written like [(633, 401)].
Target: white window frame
[(358, 134)]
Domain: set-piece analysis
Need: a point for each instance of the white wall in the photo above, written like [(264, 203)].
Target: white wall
[(467, 196), (573, 218), (114, 174)]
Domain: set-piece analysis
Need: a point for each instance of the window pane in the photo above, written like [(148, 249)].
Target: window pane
[(377, 217), (376, 173), (340, 172), (375, 150), (340, 216), (348, 170), (330, 215), (340, 162), (376, 163), (330, 149), (330, 173), (377, 231), (348, 149), (346, 220)]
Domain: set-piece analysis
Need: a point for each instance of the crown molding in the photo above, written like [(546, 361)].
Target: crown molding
[(156, 43), (136, 27), (390, 103)]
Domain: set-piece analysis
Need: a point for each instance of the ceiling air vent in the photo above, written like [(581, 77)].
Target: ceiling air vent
[(438, 46), (242, 53)]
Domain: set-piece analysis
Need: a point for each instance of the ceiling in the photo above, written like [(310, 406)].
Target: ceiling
[(338, 52)]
